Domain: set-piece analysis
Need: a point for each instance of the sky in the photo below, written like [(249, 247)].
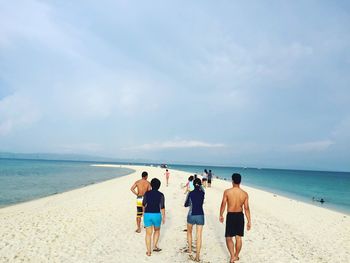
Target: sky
[(242, 83)]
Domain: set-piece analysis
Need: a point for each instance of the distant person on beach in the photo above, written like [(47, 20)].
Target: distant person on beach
[(154, 208), (236, 199), (210, 177), (189, 186), (195, 216), (167, 175), (205, 177), (139, 188)]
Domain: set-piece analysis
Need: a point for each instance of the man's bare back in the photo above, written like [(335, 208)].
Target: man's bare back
[(142, 187), (236, 199)]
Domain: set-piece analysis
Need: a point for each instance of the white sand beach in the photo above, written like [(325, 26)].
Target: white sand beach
[(97, 224)]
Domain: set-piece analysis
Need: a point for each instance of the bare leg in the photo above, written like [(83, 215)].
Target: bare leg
[(238, 247), (230, 247), (199, 230), (138, 223), (189, 237), (156, 237), (149, 231)]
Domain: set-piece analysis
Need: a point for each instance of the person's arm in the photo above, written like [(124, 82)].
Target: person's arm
[(187, 186), (247, 213), (133, 187), (162, 208), (187, 202), (223, 207), (144, 202)]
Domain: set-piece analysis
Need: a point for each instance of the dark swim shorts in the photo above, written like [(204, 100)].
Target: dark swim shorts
[(234, 224)]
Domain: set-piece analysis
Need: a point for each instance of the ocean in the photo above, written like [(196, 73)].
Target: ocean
[(333, 187), (24, 180)]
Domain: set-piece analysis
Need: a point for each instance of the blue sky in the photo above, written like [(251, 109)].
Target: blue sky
[(251, 83)]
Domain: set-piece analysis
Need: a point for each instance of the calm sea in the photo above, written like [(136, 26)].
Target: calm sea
[(24, 180), (333, 187)]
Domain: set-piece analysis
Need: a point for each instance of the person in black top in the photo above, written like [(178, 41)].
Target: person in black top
[(210, 177), (195, 216), (154, 214)]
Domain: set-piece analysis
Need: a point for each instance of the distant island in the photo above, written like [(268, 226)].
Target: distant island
[(68, 157)]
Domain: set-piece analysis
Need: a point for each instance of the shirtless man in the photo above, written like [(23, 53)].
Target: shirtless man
[(236, 199), (142, 187)]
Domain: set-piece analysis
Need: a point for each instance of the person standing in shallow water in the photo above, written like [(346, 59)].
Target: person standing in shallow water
[(142, 186), (154, 208), (236, 200), (195, 216)]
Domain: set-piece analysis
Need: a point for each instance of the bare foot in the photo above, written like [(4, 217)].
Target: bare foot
[(148, 253), (138, 230), (236, 258)]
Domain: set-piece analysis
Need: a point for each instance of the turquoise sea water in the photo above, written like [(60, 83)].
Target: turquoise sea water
[(24, 180), (333, 187)]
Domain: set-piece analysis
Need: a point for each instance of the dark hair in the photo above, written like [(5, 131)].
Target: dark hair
[(195, 176), (190, 178), (144, 174), (236, 178), (197, 183), (205, 170), (155, 183)]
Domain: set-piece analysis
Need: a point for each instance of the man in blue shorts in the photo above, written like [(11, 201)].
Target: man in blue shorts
[(154, 215)]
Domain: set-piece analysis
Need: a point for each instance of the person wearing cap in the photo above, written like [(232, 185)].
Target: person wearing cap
[(194, 201)]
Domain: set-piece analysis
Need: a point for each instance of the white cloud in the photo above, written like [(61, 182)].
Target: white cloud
[(176, 144), (315, 146), (34, 22), (17, 111)]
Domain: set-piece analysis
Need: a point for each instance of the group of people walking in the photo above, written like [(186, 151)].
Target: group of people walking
[(151, 205), (207, 178)]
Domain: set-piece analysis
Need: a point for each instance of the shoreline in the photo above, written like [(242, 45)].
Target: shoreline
[(67, 190), (96, 223), (288, 194), (252, 187)]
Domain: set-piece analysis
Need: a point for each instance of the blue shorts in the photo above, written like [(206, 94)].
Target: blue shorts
[(152, 219), (195, 220)]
